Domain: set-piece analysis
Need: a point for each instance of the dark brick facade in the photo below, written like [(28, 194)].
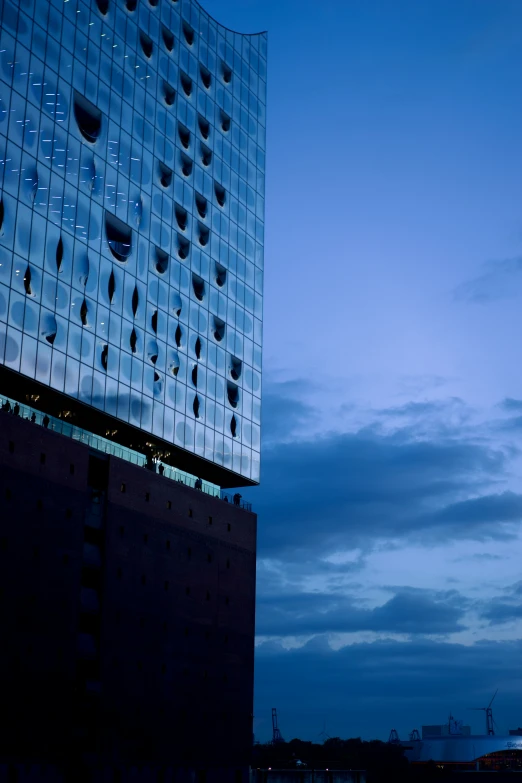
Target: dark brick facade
[(127, 614)]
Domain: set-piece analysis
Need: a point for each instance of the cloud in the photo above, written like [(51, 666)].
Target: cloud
[(423, 409), (512, 405), (499, 280), (347, 490), (284, 414), (366, 689), (505, 609), (411, 612), (415, 477)]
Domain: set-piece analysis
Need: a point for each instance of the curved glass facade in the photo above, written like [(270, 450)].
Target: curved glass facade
[(132, 139)]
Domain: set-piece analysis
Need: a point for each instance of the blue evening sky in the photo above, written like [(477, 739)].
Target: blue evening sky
[(389, 577)]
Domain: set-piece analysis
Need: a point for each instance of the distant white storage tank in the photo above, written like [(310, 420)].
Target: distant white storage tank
[(458, 748)]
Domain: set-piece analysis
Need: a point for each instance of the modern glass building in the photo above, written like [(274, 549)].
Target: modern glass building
[(132, 137), (132, 144)]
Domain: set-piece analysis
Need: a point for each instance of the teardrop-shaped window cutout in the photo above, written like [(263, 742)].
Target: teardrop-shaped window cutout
[(165, 174), (221, 275), (195, 375), (183, 247), (204, 126), (221, 194), (168, 38), (186, 83), (153, 3), (104, 357), (203, 234), (133, 340), (135, 300), (199, 287), (188, 32), (146, 44), (184, 135), (1, 214), (83, 312), (195, 407), (219, 329), (206, 155), (119, 237), (169, 94), (48, 327), (157, 378), (82, 268), (59, 254), (103, 6), (186, 165), (226, 71), (88, 117), (174, 364), (181, 216), (224, 121), (152, 351), (162, 260), (177, 304), (236, 365), (232, 394), (154, 321), (201, 205), (131, 5), (112, 286), (178, 335), (27, 281), (233, 426), (205, 76), (197, 348)]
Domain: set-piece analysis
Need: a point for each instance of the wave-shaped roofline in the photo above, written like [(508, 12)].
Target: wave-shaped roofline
[(237, 32)]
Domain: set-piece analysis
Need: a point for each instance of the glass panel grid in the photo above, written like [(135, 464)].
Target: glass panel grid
[(132, 149)]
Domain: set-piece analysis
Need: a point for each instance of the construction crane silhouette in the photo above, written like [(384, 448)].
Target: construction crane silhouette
[(394, 737), (490, 723), (276, 734)]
